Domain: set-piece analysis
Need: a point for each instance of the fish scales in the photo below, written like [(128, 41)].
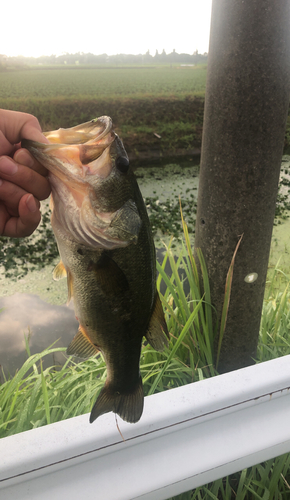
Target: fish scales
[(107, 253)]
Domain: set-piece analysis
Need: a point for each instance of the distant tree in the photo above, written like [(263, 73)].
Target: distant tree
[(173, 57), (82, 58), (163, 56), (147, 58), (3, 62)]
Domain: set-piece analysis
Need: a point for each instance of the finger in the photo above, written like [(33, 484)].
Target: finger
[(5, 147), (25, 158), (17, 126), (28, 220), (4, 217), (24, 177), (14, 126), (10, 196)]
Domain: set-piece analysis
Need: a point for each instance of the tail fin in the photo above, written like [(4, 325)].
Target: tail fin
[(128, 406)]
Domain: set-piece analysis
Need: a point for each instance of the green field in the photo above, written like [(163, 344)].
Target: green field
[(141, 101), (97, 83)]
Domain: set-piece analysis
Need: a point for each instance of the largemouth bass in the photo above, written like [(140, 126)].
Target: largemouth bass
[(107, 254)]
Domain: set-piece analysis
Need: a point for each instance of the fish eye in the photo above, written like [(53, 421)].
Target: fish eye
[(122, 164)]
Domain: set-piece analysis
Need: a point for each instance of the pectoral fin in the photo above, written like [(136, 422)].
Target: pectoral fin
[(157, 329), (110, 277), (113, 283), (59, 272), (81, 346)]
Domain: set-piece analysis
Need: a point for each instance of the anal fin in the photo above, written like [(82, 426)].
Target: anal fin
[(81, 345), (157, 330)]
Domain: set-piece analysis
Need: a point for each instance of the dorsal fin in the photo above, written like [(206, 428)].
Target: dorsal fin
[(157, 329), (81, 345)]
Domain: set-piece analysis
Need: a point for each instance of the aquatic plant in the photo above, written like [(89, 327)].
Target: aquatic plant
[(165, 216), (20, 255)]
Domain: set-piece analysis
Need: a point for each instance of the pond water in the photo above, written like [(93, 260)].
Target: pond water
[(34, 306)]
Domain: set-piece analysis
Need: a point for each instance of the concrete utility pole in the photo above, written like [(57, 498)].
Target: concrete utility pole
[(246, 106)]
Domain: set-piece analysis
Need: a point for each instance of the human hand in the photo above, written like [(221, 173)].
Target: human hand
[(22, 178)]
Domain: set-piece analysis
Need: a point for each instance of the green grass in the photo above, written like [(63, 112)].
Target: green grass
[(136, 118), (35, 397)]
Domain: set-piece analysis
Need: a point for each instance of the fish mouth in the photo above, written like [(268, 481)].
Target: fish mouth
[(76, 152), (79, 160), (93, 130)]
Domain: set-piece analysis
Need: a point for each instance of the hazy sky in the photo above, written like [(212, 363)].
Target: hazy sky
[(33, 28)]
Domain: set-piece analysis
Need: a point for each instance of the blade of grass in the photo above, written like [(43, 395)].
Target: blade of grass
[(206, 336), (226, 301), (175, 347), (45, 395), (159, 278), (188, 245)]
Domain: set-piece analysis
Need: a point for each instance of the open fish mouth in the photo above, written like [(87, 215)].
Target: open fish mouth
[(77, 152), (87, 167), (94, 130)]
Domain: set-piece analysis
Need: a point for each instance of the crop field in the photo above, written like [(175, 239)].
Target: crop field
[(96, 83), (142, 101), (157, 110)]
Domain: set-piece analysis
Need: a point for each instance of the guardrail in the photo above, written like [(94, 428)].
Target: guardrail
[(186, 437)]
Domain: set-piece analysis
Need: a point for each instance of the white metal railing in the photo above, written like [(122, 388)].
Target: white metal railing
[(186, 437)]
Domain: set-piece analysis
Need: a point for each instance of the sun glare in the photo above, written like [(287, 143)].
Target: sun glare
[(126, 30)]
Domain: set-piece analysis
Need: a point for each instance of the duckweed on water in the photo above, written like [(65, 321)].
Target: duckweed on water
[(283, 203), (161, 188), (20, 255), (165, 216)]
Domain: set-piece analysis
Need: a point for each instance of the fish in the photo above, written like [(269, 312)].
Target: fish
[(107, 254)]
